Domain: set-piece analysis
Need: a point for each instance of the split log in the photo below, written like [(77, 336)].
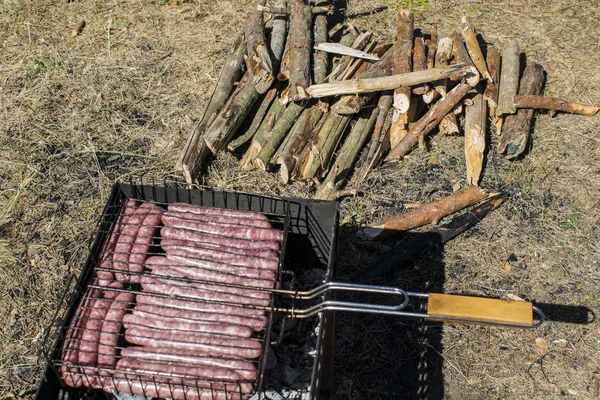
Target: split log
[(449, 124), (274, 138), (300, 52), (515, 131), (427, 214), (429, 121), (420, 64), (358, 86), (344, 63), (432, 47), (359, 65), (230, 74), (399, 127), (470, 37), (256, 120), (336, 48), (402, 58), (232, 115), (475, 128), (491, 87), (509, 79), (347, 155), (259, 58), (299, 136), (426, 243), (321, 58), (384, 104), (461, 56), (278, 35), (554, 104), (431, 95), (442, 59)]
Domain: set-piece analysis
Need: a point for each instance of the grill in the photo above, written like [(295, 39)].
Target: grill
[(307, 231)]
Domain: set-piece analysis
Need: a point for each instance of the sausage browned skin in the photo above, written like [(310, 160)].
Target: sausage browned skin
[(190, 208), (243, 348), (221, 219), (216, 272), (143, 241), (144, 319), (239, 231), (246, 369), (168, 232), (111, 329)]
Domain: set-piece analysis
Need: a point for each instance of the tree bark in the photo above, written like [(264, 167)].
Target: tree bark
[(259, 58), (554, 104), (359, 65), (432, 47), (384, 104), (402, 58), (442, 59), (344, 63), (429, 121), (321, 58), (426, 243), (491, 87), (300, 52), (515, 131), (449, 124), (336, 48), (470, 37), (427, 214), (230, 74), (509, 79), (461, 56), (278, 36), (475, 128), (284, 65), (420, 64)]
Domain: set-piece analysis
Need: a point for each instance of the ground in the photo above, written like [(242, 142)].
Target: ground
[(78, 112)]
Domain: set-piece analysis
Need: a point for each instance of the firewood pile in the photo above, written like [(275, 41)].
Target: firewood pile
[(305, 100)]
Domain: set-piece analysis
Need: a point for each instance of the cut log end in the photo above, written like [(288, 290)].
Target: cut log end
[(401, 101)]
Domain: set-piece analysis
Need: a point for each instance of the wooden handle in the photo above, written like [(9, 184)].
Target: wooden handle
[(478, 310)]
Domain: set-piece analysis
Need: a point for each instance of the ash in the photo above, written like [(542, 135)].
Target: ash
[(293, 346)]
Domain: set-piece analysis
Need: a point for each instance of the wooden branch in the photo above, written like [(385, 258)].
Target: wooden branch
[(427, 214), (337, 48), (426, 243), (554, 104), (399, 127), (442, 59), (357, 86), (277, 134), (420, 64), (348, 154), (359, 44), (384, 104), (515, 131), (461, 56), (321, 59), (300, 52), (429, 121), (278, 35), (509, 79), (284, 65), (259, 58), (402, 58), (257, 120), (358, 66), (475, 128), (431, 44), (491, 87), (449, 124), (470, 37)]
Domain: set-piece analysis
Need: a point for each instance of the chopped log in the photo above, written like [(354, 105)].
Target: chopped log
[(427, 214), (431, 95), (357, 86), (274, 138), (475, 128), (461, 56), (344, 63), (278, 35), (491, 87), (232, 115), (384, 104), (443, 56), (348, 105), (256, 120), (284, 65), (402, 58), (399, 127), (431, 47), (509, 79), (299, 136), (337, 28), (470, 37), (554, 104), (259, 58), (429, 121), (359, 65), (300, 52), (336, 48), (347, 155), (321, 58), (420, 64), (449, 124), (425, 243), (515, 131), (230, 74)]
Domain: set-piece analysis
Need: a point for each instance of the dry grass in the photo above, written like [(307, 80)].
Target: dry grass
[(79, 112)]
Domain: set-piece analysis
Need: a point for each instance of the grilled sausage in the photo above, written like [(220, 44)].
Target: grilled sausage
[(88, 347), (149, 320), (214, 250), (168, 232), (242, 348), (128, 235), (239, 231), (220, 219), (111, 329), (245, 369), (196, 258), (193, 209), (112, 294), (143, 241)]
